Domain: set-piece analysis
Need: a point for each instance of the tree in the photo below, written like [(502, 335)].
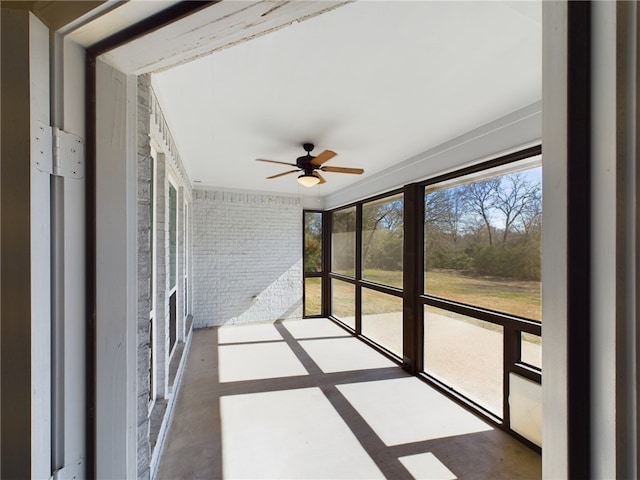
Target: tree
[(443, 228), (514, 197), (480, 197), (453, 216), (386, 216), (531, 219), (312, 241), (436, 207)]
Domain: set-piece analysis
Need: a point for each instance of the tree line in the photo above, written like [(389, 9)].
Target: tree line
[(490, 227)]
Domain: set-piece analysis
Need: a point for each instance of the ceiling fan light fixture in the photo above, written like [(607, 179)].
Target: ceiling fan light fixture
[(308, 180)]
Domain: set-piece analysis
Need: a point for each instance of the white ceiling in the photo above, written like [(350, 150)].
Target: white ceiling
[(376, 81)]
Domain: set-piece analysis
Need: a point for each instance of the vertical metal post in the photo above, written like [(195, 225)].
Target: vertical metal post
[(325, 307), (327, 226), (510, 355), (413, 279), (358, 275), (579, 238)]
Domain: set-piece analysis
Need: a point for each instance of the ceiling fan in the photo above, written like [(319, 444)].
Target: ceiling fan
[(311, 167)]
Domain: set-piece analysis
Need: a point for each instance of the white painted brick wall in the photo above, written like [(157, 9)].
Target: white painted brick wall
[(144, 272), (247, 258)]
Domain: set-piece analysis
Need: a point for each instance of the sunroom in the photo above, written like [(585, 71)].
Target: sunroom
[(431, 258), (432, 133)]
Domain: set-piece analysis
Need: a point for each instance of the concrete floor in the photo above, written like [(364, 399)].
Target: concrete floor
[(305, 400)]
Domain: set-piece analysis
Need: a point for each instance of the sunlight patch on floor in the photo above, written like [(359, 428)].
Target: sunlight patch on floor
[(257, 361), (248, 333), (313, 328), (299, 427), (406, 397), (344, 354), (427, 466)]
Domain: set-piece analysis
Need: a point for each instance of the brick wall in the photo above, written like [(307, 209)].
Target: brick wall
[(247, 257), (144, 274)]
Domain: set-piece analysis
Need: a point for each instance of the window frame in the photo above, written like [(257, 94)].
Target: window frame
[(153, 240), (415, 298), (357, 280), (186, 251), (513, 325), (173, 182), (314, 274)]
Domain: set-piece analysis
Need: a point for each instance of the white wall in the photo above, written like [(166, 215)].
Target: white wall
[(615, 162), (116, 272), (247, 257), (554, 241), (25, 259)]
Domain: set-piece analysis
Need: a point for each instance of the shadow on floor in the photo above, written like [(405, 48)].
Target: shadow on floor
[(306, 400)]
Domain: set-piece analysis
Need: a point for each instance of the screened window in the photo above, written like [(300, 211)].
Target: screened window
[(173, 251), (173, 234), (343, 302), (312, 242), (382, 241), (312, 261), (312, 296), (465, 354), (343, 242), (382, 319), (482, 235), (185, 259), (472, 302), (482, 242), (152, 276), (531, 350)]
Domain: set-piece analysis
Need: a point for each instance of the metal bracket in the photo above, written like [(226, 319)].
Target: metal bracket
[(43, 147), (58, 152), (68, 154), (73, 471)]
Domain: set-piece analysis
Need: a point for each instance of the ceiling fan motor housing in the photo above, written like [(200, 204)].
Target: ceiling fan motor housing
[(304, 162)]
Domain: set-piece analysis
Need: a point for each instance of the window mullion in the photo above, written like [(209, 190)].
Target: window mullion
[(358, 289), (412, 279)]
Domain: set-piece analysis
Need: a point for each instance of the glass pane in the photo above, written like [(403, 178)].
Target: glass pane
[(312, 242), (482, 242), (185, 260), (343, 242), (465, 354), (173, 321), (312, 296), (382, 319), (531, 349), (173, 233), (382, 241), (343, 302), (152, 228)]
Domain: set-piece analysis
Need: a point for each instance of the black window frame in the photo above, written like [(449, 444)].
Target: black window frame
[(414, 297), (513, 325), (314, 274), (358, 281)]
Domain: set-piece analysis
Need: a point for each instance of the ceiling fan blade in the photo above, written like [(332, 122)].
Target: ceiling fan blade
[(323, 157), (281, 174), (275, 161), (317, 174), (356, 171)]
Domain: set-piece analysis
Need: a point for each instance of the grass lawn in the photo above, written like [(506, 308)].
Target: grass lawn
[(517, 297), (522, 298), (312, 296)]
